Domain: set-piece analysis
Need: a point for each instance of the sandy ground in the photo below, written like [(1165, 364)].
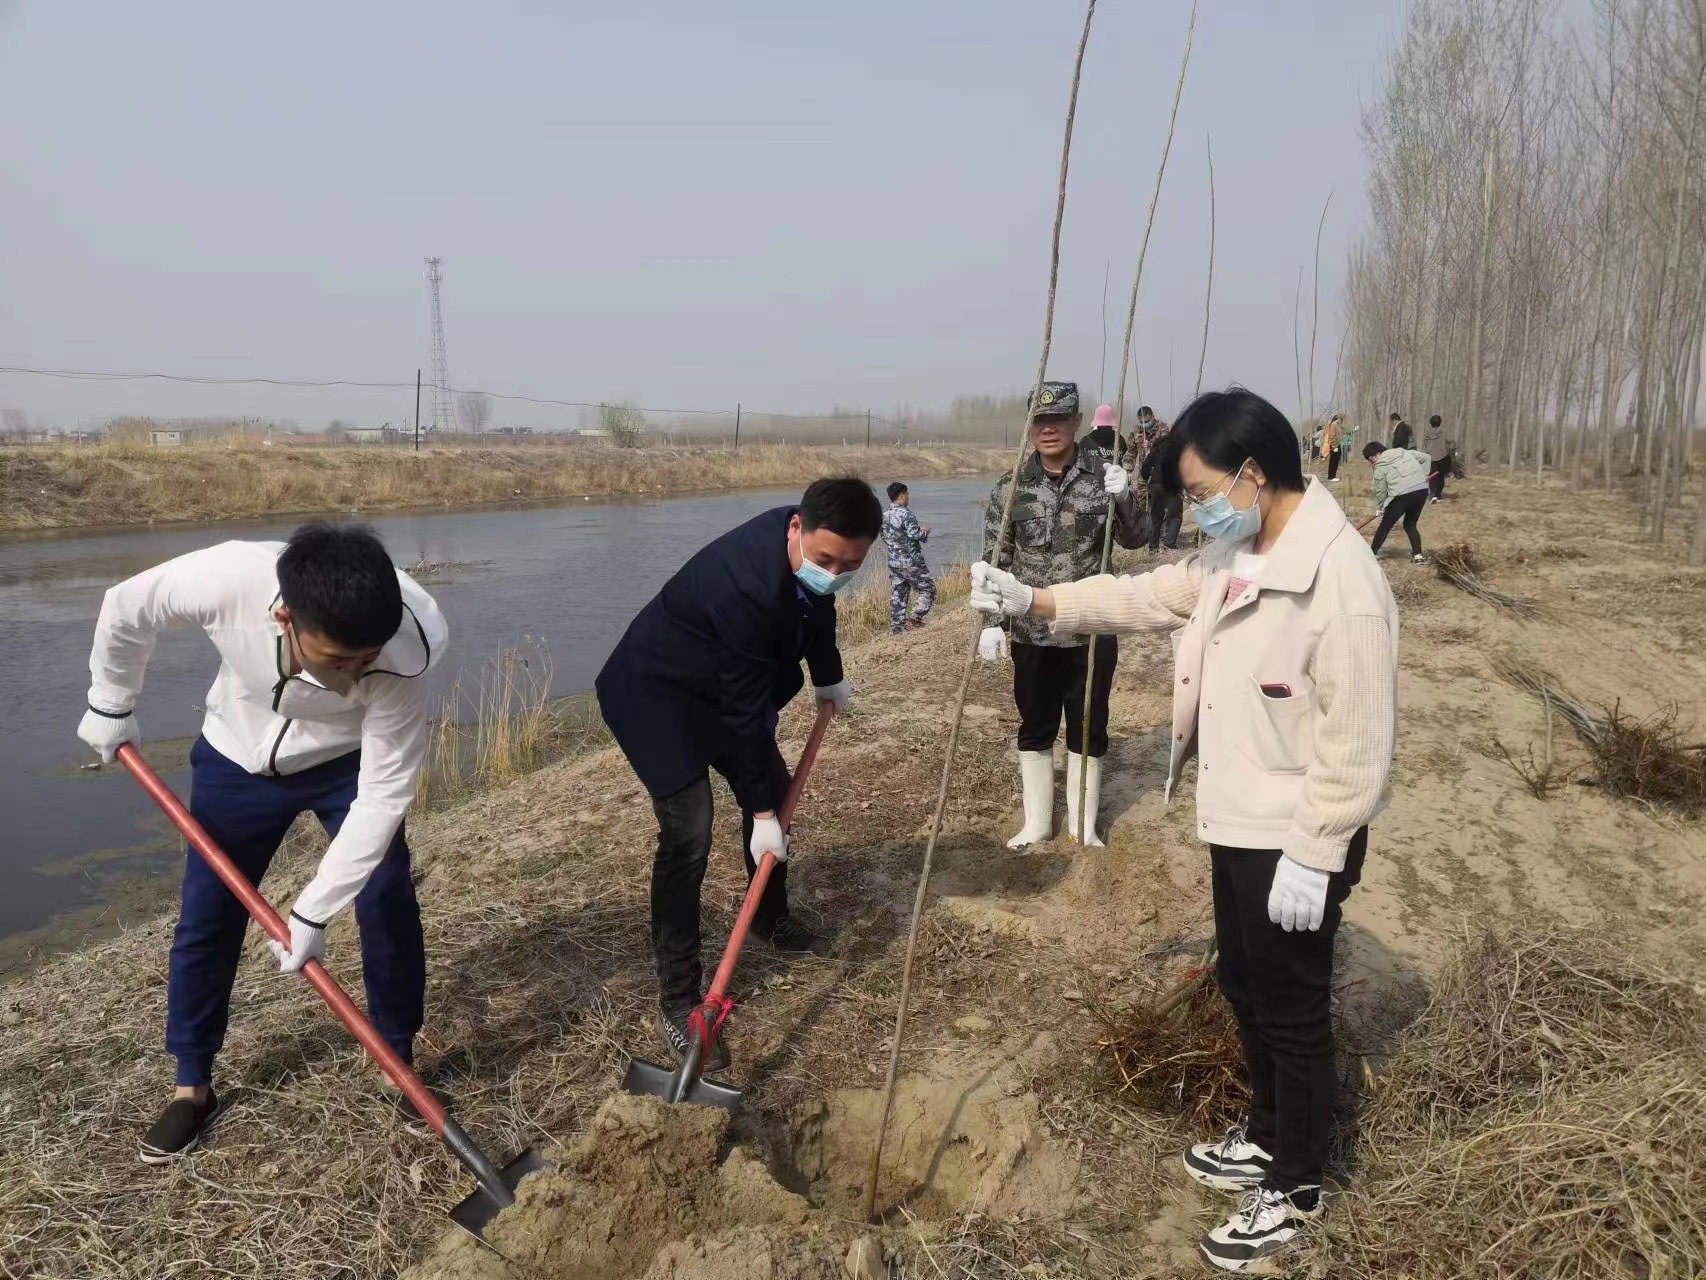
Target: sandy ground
[(1010, 1151)]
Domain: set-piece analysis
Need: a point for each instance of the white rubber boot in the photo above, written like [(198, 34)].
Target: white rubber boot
[(1036, 774), (1092, 798)]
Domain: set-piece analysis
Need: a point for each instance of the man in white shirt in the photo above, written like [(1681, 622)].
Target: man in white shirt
[(318, 708)]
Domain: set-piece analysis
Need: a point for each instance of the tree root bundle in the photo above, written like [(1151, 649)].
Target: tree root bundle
[(1179, 1055), (1459, 565), (1542, 1118), (1642, 759)]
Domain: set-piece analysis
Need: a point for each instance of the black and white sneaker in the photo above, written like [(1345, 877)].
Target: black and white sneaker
[(1418, 559), (1233, 1164), (678, 1036), (1264, 1227), (179, 1130)]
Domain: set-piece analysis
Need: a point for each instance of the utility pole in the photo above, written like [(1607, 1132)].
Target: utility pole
[(737, 424), (443, 417), (417, 410), (867, 428)]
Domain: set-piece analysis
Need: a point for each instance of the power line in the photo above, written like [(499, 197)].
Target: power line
[(95, 375)]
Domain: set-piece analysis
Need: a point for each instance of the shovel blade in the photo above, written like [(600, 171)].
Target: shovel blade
[(648, 1079), (476, 1212)]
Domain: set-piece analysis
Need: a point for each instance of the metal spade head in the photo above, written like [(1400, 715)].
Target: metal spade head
[(648, 1079), (476, 1212)]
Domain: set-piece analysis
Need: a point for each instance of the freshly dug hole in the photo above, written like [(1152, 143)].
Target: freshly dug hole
[(956, 1142)]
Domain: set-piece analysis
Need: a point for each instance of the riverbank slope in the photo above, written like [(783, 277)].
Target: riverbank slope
[(67, 487), (1012, 1150)]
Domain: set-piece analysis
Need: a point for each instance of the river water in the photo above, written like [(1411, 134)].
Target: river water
[(77, 848)]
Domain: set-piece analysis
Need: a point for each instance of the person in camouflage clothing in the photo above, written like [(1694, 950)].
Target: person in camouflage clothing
[(907, 571), (1060, 512)]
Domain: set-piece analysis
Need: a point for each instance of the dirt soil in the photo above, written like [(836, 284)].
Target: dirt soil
[(1012, 1150)]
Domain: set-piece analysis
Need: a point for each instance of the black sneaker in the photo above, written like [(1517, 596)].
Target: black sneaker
[(789, 933), (1264, 1226), (678, 1035), (179, 1130), (1233, 1164)]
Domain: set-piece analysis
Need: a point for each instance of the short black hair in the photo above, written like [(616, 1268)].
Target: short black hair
[(1434, 421), (845, 505), (896, 488), (1229, 428), (1143, 408), (338, 581), (1394, 417), (1373, 449)]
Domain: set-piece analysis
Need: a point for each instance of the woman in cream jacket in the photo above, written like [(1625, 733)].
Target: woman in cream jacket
[(1284, 636)]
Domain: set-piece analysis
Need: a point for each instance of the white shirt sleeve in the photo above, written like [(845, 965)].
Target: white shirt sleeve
[(187, 590), (393, 745)]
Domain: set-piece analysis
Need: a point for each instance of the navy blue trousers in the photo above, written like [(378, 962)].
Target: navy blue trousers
[(248, 815)]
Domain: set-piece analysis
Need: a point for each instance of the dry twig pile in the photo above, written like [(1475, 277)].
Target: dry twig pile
[(1459, 565), (1543, 1117)]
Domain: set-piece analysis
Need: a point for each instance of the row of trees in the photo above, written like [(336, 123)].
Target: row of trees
[(1535, 264)]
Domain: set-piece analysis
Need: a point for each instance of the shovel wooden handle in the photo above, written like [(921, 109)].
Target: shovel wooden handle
[(432, 1111)]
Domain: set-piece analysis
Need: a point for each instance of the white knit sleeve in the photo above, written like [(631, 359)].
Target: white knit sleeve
[(1355, 672)]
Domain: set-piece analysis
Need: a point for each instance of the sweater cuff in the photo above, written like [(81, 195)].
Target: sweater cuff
[(1068, 608), (1324, 853)]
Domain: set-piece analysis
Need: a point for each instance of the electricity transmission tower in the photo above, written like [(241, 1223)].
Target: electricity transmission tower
[(443, 417)]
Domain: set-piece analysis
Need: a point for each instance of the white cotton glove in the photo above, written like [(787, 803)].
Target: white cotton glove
[(997, 591), (839, 693), (767, 837), (106, 734), (992, 644), (1115, 479), (1298, 900), (307, 942)]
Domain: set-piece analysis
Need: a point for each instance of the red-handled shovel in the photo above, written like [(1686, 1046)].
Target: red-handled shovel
[(497, 1186), (684, 1083)]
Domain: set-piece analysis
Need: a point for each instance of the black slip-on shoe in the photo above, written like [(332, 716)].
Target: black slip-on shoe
[(789, 933), (179, 1130)]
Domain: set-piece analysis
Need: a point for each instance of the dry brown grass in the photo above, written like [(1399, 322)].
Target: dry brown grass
[(865, 613), (1543, 1118), (135, 484)]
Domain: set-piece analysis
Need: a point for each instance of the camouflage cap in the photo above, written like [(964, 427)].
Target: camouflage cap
[(1058, 400)]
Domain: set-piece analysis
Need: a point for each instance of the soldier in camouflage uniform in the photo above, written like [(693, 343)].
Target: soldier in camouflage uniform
[(1060, 511), (905, 538)]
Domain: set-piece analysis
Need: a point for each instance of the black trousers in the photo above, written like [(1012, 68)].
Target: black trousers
[(1166, 513), (1333, 464), (1408, 507), (678, 872), (1441, 473), (1047, 681), (1279, 985)]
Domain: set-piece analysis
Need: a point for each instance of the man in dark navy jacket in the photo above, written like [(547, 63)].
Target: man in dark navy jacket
[(697, 683)]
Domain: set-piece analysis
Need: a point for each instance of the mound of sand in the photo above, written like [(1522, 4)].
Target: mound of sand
[(642, 1195)]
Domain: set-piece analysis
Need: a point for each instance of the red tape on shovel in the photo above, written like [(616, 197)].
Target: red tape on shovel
[(497, 1187), (685, 1083)]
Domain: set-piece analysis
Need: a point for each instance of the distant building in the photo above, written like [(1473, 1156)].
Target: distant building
[(168, 436), (371, 435)]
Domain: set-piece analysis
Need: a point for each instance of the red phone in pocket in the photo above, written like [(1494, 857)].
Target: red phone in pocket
[(1276, 691)]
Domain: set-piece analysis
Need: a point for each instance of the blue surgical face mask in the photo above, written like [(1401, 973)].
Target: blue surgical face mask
[(818, 580), (1219, 519)]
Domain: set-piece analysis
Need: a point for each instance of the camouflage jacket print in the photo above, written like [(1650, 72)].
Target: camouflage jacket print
[(904, 536), (1057, 528)]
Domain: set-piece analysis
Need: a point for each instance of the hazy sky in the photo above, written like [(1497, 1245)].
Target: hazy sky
[(680, 204)]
